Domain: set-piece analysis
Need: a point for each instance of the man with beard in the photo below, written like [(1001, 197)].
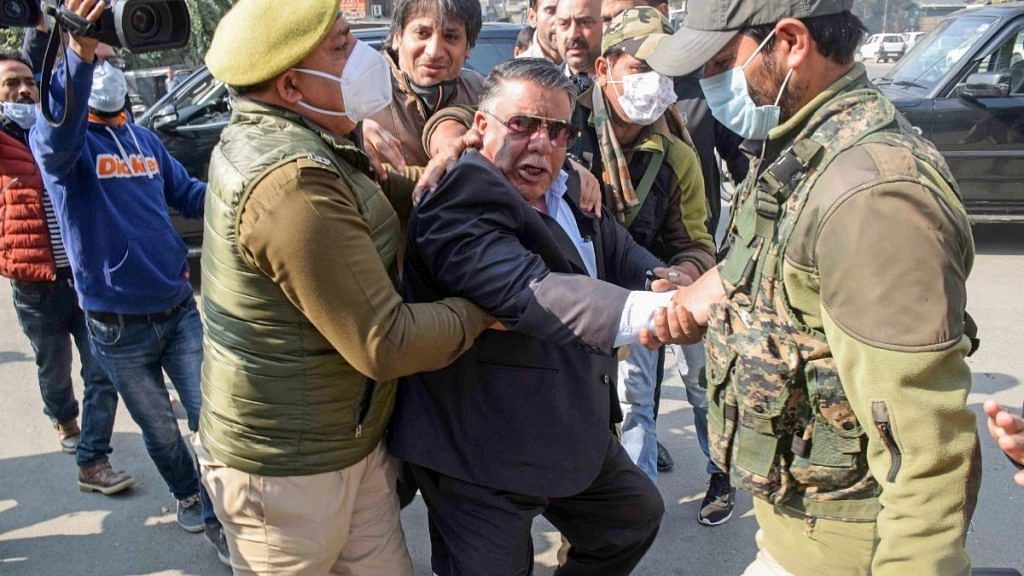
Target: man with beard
[(32, 255), (541, 15), (836, 325), (429, 43)]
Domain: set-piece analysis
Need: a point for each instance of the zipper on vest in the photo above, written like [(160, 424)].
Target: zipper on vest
[(365, 399), (880, 413)]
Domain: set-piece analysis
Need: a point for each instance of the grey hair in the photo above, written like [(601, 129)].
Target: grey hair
[(466, 12), (537, 70)]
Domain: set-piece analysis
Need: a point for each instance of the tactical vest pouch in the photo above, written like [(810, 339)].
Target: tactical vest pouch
[(834, 443), (762, 368), (722, 410)]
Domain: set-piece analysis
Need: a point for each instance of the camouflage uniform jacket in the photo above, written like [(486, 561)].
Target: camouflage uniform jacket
[(837, 384)]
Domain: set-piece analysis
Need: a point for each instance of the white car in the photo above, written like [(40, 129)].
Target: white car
[(911, 38), (883, 47)]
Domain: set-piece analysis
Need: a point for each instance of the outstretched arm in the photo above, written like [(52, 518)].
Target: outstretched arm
[(467, 236)]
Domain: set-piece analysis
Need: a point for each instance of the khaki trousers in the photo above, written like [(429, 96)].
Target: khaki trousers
[(790, 545), (343, 522)]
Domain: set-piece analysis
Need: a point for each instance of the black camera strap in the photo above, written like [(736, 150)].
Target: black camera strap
[(55, 47)]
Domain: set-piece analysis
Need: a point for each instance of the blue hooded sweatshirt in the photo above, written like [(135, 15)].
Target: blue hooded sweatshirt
[(110, 188)]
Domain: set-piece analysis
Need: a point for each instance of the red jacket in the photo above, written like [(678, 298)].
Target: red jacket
[(25, 249)]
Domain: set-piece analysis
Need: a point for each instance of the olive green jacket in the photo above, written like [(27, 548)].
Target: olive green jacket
[(305, 333), (879, 263)]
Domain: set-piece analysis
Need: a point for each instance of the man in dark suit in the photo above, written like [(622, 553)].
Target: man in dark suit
[(519, 426)]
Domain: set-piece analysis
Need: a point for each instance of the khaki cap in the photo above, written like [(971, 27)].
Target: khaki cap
[(637, 31), (710, 25), (259, 39)]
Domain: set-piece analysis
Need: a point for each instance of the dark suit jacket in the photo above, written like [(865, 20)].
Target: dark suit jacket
[(528, 410)]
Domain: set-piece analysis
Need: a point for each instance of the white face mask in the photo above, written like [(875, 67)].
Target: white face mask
[(109, 88), (365, 84), (645, 96), (24, 115)]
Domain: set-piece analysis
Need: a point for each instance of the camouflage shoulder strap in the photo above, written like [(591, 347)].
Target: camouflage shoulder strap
[(646, 182), (783, 188)]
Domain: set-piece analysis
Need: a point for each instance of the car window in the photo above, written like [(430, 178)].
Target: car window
[(202, 91), (894, 38), (938, 52), (1006, 58), (490, 52)]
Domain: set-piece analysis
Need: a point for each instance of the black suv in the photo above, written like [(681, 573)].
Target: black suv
[(190, 118), (962, 86)]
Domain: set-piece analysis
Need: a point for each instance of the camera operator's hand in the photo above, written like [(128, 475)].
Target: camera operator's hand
[(91, 10)]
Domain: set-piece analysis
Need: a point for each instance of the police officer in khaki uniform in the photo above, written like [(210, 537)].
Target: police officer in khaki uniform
[(305, 332), (836, 333)]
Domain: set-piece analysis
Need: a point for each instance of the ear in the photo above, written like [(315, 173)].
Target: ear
[(531, 17), (793, 42), (601, 68), (480, 121), (286, 87)]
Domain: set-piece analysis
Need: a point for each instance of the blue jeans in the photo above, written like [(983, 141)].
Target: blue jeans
[(135, 356), (690, 361), (638, 376), (50, 317)]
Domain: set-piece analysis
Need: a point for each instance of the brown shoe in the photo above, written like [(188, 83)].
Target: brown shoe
[(68, 434), (100, 477)]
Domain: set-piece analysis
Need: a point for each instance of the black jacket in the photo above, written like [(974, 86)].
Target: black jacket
[(527, 410)]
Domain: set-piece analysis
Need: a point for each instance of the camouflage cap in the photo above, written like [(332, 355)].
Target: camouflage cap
[(637, 31), (259, 39), (710, 25)]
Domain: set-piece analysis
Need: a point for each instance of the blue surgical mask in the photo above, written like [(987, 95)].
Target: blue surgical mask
[(730, 102), (109, 88), (24, 115)]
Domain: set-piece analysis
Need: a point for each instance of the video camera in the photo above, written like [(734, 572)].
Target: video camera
[(135, 25)]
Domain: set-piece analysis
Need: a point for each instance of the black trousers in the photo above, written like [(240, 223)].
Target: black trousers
[(480, 531)]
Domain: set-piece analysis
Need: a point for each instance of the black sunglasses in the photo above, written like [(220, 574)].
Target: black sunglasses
[(561, 134)]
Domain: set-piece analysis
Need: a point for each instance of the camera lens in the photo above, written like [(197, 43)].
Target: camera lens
[(13, 10), (143, 21)]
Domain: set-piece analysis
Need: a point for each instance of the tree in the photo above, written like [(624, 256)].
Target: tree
[(10, 39), (897, 15)]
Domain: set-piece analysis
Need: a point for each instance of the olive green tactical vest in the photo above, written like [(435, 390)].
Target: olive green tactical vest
[(278, 399), (779, 418)]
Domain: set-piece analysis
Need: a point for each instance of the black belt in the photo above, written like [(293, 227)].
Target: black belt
[(154, 318)]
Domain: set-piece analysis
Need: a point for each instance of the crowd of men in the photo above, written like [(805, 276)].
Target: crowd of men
[(418, 278)]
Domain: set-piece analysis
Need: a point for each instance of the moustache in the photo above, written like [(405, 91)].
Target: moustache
[(577, 43)]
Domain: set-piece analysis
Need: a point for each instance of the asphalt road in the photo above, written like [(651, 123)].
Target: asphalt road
[(48, 527)]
